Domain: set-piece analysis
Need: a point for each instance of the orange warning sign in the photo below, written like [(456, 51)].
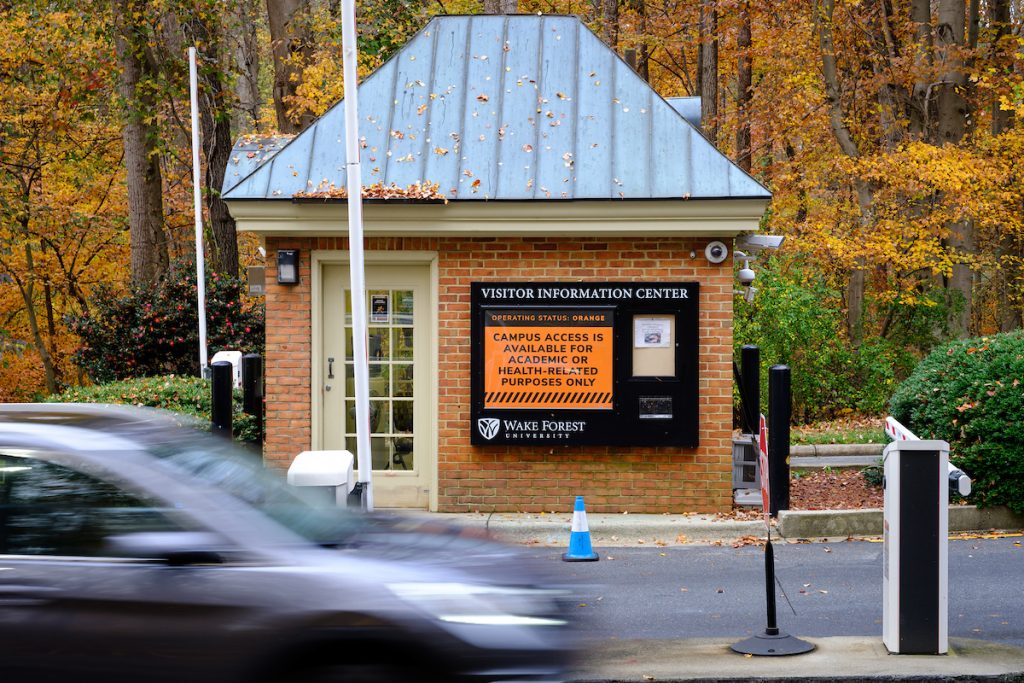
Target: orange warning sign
[(548, 358)]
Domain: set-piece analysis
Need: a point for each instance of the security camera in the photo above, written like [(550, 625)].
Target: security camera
[(716, 252), (746, 276)]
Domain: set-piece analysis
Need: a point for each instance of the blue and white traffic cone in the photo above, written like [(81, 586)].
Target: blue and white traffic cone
[(579, 539)]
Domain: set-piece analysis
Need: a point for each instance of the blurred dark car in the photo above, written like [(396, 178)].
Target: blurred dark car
[(136, 549)]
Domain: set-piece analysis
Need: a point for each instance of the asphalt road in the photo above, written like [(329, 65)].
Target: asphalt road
[(835, 589)]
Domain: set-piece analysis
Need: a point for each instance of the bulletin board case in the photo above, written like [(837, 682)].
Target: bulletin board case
[(585, 363)]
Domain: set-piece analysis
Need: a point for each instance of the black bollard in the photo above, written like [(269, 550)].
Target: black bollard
[(220, 410), (750, 391), (252, 389), (780, 409)]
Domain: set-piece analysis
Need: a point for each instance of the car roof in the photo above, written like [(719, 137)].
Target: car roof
[(88, 426)]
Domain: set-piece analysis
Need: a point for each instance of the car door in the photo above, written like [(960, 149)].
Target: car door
[(70, 606)]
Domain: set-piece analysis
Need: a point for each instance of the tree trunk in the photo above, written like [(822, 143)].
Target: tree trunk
[(610, 23), (709, 70), (247, 61), (999, 21), (27, 289), (921, 16), (744, 72), (643, 66), (950, 126), (501, 6), (291, 45), (149, 249), (856, 283), (1011, 248), (889, 103), (215, 122)]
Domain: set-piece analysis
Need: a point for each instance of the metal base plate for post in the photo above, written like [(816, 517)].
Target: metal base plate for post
[(769, 645)]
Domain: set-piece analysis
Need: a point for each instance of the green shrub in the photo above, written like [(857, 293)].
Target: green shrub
[(971, 394), (874, 475), (797, 319), (185, 395), (155, 331)]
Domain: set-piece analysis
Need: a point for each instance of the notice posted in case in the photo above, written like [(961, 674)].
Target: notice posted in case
[(548, 358)]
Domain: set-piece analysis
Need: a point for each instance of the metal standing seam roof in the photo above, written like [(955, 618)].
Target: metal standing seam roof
[(518, 107)]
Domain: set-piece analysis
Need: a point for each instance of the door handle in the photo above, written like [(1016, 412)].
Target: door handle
[(330, 368)]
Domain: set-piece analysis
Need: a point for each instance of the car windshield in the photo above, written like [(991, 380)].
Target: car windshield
[(309, 513)]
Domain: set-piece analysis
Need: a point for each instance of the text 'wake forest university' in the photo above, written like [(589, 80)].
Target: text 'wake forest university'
[(548, 358)]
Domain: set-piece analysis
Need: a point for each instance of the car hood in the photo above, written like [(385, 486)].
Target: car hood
[(442, 546)]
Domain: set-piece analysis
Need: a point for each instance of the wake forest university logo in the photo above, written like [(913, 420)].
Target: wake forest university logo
[(488, 427)]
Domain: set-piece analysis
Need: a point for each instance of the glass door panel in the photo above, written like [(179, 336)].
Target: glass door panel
[(391, 354)]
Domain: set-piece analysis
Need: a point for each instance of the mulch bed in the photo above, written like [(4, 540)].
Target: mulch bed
[(833, 490)]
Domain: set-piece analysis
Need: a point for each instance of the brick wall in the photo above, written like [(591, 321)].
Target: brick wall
[(520, 478)]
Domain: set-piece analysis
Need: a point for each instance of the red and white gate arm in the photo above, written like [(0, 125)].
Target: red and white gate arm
[(959, 482)]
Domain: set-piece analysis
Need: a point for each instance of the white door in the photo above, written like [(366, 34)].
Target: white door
[(401, 445)]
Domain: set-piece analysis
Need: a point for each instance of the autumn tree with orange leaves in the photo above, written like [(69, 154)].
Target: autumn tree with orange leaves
[(886, 130)]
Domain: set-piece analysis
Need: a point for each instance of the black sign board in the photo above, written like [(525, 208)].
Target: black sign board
[(585, 363)]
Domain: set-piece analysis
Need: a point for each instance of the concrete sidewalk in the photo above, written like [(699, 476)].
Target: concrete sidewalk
[(845, 659)]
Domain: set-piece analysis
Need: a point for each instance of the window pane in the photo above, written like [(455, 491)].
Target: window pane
[(403, 379), (380, 417), (379, 373), (403, 417), (402, 458), (350, 417), (378, 344), (402, 300), (380, 451), (401, 342)]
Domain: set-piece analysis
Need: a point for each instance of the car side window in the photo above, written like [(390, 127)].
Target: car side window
[(49, 509)]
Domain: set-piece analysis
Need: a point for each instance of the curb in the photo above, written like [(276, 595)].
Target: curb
[(610, 530), (843, 523), (826, 450), (616, 530)]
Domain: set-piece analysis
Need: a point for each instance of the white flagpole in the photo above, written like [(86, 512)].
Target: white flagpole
[(197, 196), (355, 239)]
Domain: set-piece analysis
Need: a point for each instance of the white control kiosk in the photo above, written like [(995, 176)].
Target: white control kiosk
[(915, 586)]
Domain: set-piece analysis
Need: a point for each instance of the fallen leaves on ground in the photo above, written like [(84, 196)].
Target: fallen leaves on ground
[(747, 540), (842, 489)]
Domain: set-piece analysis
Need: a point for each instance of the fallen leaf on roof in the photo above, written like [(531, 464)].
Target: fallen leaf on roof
[(420, 109), (378, 191), (482, 98), (440, 151)]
